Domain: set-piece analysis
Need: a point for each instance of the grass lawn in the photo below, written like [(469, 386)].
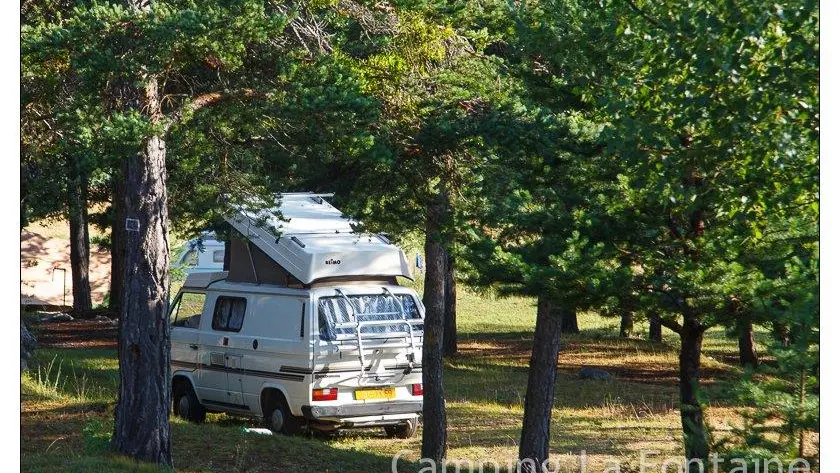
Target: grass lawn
[(68, 398)]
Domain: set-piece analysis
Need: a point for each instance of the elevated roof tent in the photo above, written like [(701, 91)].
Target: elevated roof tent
[(312, 242)]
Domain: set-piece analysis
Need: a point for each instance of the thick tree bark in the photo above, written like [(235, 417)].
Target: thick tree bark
[(655, 329), (569, 322), (141, 428), (626, 329), (434, 298), (27, 346), (77, 190), (115, 295), (539, 396), (695, 434), (450, 328), (746, 346)]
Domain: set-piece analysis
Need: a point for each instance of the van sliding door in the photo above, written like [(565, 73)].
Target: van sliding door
[(276, 351)]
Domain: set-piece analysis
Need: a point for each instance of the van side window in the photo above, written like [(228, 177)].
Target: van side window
[(276, 316), (229, 314), (187, 310)]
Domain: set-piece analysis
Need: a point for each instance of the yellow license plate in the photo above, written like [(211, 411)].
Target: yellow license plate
[(379, 393)]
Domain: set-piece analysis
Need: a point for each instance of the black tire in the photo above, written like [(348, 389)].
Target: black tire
[(186, 405), (405, 430), (280, 420)]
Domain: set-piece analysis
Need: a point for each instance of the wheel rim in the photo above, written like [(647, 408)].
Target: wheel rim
[(277, 420), (184, 407)]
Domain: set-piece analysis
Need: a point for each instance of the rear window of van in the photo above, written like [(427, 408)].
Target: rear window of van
[(334, 310)]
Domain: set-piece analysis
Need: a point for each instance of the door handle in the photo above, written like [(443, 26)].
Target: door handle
[(193, 346), (225, 341)]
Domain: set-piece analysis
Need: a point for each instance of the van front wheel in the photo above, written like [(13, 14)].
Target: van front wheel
[(406, 430), (187, 405)]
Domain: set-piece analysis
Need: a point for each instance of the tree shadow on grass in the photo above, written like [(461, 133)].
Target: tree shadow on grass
[(56, 437), (644, 371), (48, 427)]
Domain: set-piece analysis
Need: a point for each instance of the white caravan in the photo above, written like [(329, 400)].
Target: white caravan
[(308, 328), (204, 254)]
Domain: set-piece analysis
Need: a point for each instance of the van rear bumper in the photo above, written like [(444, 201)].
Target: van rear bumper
[(362, 410)]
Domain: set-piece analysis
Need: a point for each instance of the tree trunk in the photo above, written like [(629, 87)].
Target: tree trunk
[(115, 294), (695, 434), (227, 237), (569, 322), (539, 396), (434, 298), (655, 329), (781, 333), (746, 346), (77, 190), (626, 329), (27, 346), (800, 407), (450, 329), (141, 428)]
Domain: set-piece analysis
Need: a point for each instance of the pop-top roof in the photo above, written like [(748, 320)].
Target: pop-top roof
[(202, 280), (314, 241)]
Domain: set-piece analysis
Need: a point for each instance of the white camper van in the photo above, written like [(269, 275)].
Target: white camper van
[(308, 328)]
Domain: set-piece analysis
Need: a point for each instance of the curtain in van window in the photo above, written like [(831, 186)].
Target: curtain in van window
[(229, 313), (335, 309)]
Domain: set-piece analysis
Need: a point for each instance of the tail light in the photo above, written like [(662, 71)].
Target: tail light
[(326, 394), (416, 389)]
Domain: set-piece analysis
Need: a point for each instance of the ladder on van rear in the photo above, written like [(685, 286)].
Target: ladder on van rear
[(374, 341)]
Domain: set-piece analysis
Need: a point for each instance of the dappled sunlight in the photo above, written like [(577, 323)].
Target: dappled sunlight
[(485, 389)]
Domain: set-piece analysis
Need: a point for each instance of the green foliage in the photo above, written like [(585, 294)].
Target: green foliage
[(537, 216), (535, 223), (657, 157), (713, 133), (712, 137), (275, 106), (786, 391), (439, 102)]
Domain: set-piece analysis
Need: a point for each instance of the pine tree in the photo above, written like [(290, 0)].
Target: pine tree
[(785, 392), (706, 125)]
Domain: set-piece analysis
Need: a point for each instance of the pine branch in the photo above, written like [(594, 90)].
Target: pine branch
[(209, 99), (648, 18)]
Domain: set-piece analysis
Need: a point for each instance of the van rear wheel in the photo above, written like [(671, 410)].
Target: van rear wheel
[(406, 430), (187, 406), (280, 420)]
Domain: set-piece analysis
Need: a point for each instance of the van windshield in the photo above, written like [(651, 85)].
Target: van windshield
[(336, 309)]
